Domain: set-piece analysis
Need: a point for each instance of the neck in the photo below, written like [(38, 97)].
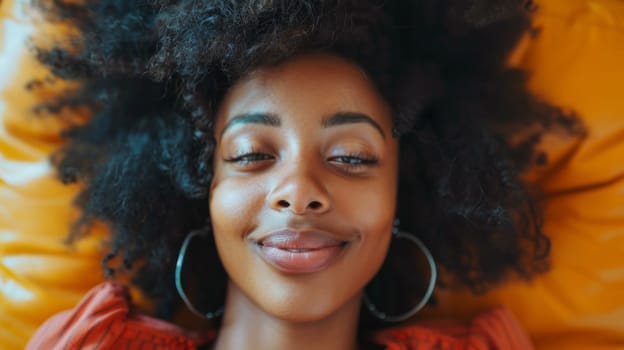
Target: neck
[(246, 326)]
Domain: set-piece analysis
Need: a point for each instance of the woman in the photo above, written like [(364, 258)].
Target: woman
[(312, 134)]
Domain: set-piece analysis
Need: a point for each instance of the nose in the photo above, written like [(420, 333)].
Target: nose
[(300, 191)]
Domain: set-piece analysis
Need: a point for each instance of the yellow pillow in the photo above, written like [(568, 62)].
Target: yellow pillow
[(577, 62), (39, 275)]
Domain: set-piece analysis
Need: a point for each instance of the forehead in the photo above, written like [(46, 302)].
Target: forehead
[(313, 84)]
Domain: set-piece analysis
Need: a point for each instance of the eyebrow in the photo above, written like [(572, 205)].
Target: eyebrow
[(267, 119), (342, 118), (336, 119)]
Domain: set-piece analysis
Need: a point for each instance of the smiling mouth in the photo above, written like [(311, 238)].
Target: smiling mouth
[(300, 252)]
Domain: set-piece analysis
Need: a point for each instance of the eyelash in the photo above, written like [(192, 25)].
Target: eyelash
[(356, 159), (249, 156)]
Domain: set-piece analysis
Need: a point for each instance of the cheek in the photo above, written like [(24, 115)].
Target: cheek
[(233, 204), (371, 210), (234, 208), (372, 206), (376, 214)]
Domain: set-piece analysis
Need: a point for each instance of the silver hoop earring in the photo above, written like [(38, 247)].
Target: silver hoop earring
[(178, 280), (396, 234)]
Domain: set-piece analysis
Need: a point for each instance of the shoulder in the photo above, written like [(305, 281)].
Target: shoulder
[(103, 320), (494, 329)]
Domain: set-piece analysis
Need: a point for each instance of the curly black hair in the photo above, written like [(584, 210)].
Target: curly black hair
[(153, 72)]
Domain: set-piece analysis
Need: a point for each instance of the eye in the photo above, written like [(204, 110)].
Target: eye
[(248, 158), (353, 160), (354, 163)]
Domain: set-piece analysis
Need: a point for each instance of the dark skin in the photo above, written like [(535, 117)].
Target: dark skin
[(305, 146)]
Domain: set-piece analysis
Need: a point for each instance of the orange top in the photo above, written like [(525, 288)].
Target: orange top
[(104, 319)]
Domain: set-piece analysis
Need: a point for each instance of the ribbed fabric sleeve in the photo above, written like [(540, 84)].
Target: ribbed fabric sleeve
[(104, 320)]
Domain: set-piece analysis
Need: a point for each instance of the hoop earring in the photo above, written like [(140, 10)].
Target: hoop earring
[(178, 280), (428, 293)]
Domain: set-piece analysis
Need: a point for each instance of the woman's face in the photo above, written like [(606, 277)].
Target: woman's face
[(303, 196)]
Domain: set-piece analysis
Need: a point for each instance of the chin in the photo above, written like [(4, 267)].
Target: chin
[(306, 302), (302, 312)]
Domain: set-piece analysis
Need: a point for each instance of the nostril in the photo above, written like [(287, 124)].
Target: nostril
[(284, 204), (314, 205)]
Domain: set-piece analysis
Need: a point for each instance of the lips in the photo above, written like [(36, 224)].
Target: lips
[(300, 251)]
